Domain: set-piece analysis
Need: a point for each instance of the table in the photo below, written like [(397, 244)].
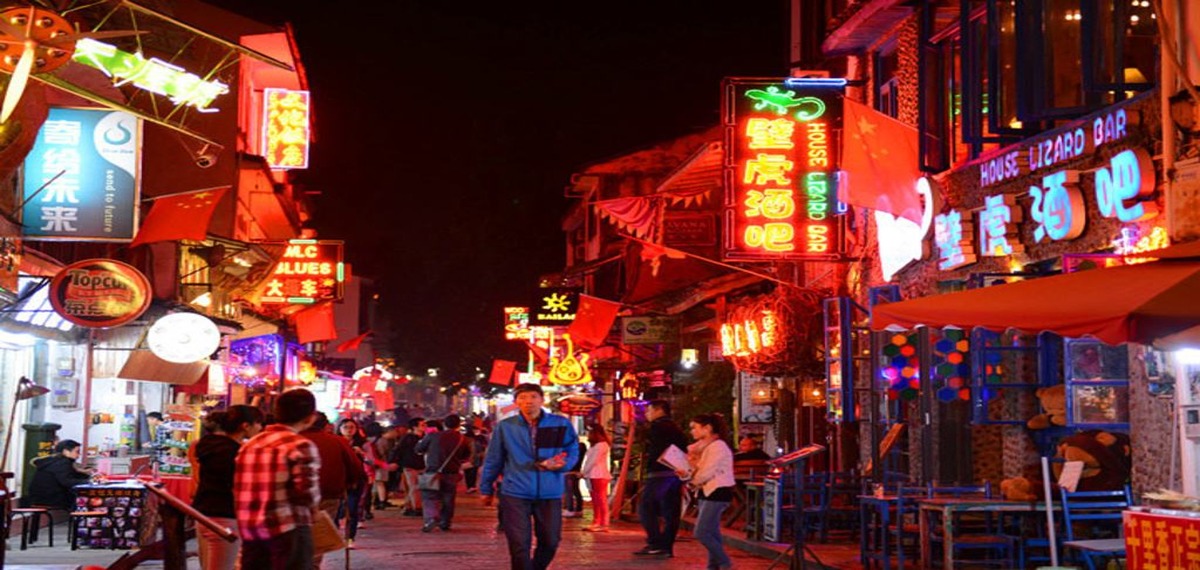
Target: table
[(875, 514), (119, 515), (1145, 529), (948, 507), (178, 485)]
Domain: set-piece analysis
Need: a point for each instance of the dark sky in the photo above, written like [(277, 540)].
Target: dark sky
[(448, 129)]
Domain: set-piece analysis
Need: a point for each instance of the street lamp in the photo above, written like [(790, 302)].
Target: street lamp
[(26, 390)]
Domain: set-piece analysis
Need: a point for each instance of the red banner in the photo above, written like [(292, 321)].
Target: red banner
[(1159, 541)]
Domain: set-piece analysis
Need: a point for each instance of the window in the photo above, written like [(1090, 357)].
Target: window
[(1097, 383), (887, 82)]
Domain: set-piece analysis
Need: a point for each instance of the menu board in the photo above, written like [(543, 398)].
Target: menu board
[(772, 504), (124, 506)]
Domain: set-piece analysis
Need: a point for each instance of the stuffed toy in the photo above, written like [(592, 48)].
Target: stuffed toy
[(1106, 458), (1053, 400)]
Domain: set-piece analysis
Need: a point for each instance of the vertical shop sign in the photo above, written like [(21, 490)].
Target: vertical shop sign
[(780, 192), (82, 178), (285, 128)]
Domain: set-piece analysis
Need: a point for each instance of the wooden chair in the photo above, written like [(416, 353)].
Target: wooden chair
[(1100, 511)]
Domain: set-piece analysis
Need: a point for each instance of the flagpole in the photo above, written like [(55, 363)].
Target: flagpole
[(715, 262), (186, 192)]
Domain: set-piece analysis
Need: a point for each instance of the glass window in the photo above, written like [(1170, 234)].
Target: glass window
[(1126, 46), (886, 100), (1097, 383), (1062, 50)]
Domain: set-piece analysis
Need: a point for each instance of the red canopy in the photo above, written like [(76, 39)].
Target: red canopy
[(1133, 303)]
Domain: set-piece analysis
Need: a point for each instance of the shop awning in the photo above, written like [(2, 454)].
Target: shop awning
[(144, 365), (1140, 303)]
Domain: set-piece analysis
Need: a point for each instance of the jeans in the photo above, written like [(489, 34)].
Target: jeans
[(439, 505), (659, 510), (215, 552), (292, 550), (572, 496), (599, 491), (471, 474), (708, 532), (515, 514), (352, 509)]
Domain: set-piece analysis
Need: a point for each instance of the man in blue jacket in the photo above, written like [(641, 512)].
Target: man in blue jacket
[(532, 451)]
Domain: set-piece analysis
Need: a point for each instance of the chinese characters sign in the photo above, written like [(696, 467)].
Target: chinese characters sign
[(1155, 541), (309, 271), (780, 200), (554, 306), (285, 128), (99, 293), (154, 75), (516, 323), (81, 178)]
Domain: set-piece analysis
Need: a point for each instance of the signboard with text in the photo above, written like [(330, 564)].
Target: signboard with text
[(649, 330), (82, 178), (99, 293), (554, 306), (781, 190), (309, 271), (285, 128)]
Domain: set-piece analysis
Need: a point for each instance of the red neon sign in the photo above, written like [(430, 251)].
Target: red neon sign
[(285, 128), (309, 271), (781, 194)]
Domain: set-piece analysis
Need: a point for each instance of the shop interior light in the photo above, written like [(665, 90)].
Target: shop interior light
[(1188, 356), (203, 300)]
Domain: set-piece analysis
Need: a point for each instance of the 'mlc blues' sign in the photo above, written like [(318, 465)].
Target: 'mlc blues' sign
[(81, 179)]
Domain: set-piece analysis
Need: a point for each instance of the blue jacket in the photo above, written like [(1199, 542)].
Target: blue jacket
[(512, 453)]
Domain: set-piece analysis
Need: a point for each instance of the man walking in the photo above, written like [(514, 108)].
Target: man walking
[(532, 451), (341, 468), (277, 490), (412, 463), (659, 507), (444, 453)]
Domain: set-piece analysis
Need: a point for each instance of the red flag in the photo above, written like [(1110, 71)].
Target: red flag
[(315, 323), (502, 372), (352, 344), (879, 156), (368, 384), (182, 216), (540, 355), (592, 321)]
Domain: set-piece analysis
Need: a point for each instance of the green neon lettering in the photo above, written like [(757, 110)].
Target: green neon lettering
[(153, 75)]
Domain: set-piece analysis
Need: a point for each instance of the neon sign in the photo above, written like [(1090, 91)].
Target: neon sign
[(1056, 149), (997, 226), (954, 236), (154, 75), (902, 241), (285, 128), (1128, 177), (750, 336), (516, 323), (1058, 207), (554, 306), (309, 271), (781, 199), (569, 370)]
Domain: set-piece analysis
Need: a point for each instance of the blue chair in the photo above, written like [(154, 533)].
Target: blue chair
[(1100, 513), (813, 499), (977, 532), (906, 527)]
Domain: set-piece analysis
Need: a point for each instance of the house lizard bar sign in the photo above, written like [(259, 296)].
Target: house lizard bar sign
[(99, 293)]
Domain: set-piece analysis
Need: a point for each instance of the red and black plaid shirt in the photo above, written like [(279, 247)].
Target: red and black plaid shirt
[(275, 483)]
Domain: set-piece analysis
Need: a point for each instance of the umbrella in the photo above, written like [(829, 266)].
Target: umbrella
[(1140, 303)]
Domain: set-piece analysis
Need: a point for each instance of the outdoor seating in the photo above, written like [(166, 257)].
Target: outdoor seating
[(813, 501), (980, 532), (31, 518), (744, 471), (905, 529), (844, 511), (1097, 514)]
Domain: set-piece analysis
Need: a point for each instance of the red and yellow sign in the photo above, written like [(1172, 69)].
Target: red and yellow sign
[(781, 196), (309, 271), (285, 128), (750, 335), (99, 293), (1159, 541)]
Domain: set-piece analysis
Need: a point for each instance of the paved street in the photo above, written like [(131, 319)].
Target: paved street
[(392, 541)]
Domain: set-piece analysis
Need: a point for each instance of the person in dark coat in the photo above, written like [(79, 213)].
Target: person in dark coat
[(56, 476), (661, 502), (444, 451)]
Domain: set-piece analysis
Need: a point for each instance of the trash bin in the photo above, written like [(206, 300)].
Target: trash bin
[(39, 442)]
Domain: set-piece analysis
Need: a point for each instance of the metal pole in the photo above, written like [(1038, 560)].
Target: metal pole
[(87, 392)]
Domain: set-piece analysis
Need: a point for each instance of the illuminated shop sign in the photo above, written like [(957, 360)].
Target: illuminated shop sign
[(516, 323), (99, 293), (554, 306), (285, 128), (750, 336), (781, 190), (82, 177), (309, 271), (154, 75), (1056, 148)]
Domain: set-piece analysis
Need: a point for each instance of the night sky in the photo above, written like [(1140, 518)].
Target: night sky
[(447, 131)]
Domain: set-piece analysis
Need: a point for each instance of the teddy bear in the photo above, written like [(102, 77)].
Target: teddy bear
[(1106, 458), (1053, 400)]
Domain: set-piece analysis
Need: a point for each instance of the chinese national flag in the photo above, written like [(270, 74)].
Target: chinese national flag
[(315, 323), (502, 372), (879, 156), (592, 321), (183, 216), (353, 344)]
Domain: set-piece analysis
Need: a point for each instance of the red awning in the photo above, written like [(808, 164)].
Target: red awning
[(1134, 303)]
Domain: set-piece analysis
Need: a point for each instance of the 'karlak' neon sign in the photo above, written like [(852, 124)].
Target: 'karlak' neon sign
[(154, 75)]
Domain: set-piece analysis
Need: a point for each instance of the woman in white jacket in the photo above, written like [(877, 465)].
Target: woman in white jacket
[(596, 471), (712, 473)]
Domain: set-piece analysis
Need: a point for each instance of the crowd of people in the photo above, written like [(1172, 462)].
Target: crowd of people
[(282, 481)]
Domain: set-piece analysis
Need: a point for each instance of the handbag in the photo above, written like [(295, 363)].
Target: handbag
[(432, 481), (326, 537)]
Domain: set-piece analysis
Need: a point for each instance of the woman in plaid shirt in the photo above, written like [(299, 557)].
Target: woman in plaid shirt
[(275, 515)]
